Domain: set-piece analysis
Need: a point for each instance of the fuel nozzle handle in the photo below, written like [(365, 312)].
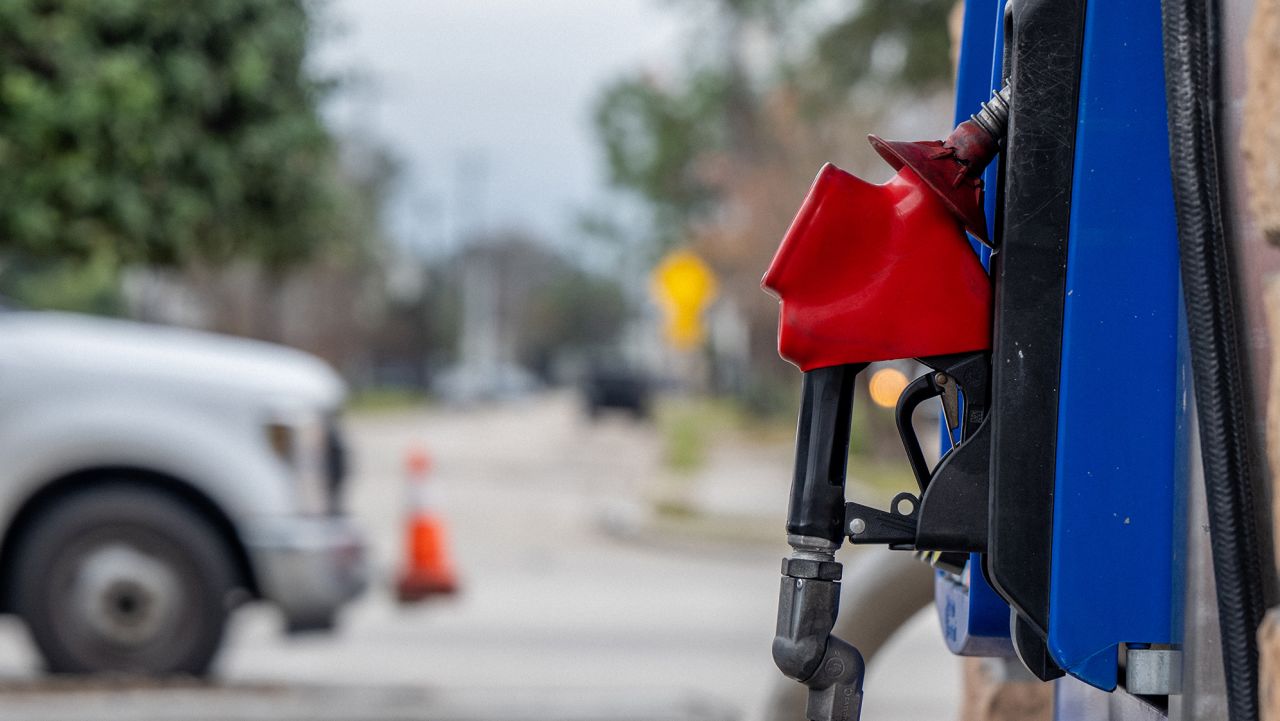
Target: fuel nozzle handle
[(822, 453), (809, 596)]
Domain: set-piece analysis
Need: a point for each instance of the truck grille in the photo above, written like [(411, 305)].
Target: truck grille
[(336, 464)]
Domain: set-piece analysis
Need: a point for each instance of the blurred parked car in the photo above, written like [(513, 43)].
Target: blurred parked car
[(616, 387), (153, 479)]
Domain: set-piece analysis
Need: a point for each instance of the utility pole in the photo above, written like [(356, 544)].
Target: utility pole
[(479, 354)]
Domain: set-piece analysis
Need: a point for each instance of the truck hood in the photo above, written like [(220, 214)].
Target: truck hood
[(156, 355)]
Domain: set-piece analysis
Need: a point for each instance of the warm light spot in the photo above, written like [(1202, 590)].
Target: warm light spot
[(886, 385)]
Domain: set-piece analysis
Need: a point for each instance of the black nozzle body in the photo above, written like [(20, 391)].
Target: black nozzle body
[(822, 453)]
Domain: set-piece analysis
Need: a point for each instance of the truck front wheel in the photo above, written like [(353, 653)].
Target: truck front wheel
[(124, 578)]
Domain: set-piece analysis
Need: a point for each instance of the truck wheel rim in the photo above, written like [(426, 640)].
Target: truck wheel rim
[(125, 595)]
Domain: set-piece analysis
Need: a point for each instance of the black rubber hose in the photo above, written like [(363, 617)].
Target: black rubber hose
[(1192, 86)]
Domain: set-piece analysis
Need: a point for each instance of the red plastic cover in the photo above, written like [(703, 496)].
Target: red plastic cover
[(876, 272)]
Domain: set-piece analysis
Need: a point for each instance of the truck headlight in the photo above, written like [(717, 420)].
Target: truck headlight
[(301, 443)]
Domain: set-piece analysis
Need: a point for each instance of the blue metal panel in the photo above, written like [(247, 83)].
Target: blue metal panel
[(974, 619), (978, 74), (1113, 500), (991, 176), (980, 50)]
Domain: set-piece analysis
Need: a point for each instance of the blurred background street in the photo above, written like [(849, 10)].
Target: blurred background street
[(572, 608), (307, 308)]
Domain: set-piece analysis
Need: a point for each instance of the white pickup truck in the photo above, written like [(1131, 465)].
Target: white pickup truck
[(155, 478)]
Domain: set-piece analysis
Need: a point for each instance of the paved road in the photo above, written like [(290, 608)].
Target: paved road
[(558, 619)]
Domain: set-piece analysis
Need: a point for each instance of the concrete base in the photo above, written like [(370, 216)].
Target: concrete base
[(1001, 690)]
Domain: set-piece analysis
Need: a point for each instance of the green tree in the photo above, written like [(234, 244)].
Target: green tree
[(144, 131), (661, 140), (899, 43), (652, 136)]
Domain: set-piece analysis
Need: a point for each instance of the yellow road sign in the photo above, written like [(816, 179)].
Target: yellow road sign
[(683, 286)]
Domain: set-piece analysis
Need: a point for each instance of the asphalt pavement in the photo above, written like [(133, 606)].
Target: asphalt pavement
[(560, 615)]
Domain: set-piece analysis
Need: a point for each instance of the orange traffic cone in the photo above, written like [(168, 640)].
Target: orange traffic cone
[(428, 570)]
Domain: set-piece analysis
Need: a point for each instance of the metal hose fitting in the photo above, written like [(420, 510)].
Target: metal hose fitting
[(993, 116)]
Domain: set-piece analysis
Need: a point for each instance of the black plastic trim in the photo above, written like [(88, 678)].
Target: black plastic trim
[(1030, 271)]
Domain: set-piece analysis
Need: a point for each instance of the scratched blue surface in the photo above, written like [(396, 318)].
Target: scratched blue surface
[(1113, 502)]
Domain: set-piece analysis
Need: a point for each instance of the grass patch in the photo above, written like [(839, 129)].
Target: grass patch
[(385, 400), (689, 426), (673, 508)]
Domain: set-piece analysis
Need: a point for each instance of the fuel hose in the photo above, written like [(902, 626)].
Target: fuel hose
[(1192, 85)]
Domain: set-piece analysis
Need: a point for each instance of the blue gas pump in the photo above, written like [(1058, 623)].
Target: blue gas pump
[(1056, 520)]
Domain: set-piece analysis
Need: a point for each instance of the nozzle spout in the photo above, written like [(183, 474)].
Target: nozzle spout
[(803, 647), (835, 694)]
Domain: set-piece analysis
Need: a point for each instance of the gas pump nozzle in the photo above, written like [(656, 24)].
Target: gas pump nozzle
[(869, 273), (809, 598)]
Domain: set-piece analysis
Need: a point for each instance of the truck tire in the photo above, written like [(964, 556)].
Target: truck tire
[(124, 579)]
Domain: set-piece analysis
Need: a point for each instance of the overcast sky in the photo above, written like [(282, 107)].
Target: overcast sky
[(501, 86)]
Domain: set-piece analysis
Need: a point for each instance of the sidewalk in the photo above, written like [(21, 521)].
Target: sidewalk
[(736, 503), (191, 701)]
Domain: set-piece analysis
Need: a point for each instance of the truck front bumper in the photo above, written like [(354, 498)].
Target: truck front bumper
[(307, 566)]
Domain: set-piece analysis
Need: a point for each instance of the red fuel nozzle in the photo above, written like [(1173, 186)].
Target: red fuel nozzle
[(876, 272), (879, 272)]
